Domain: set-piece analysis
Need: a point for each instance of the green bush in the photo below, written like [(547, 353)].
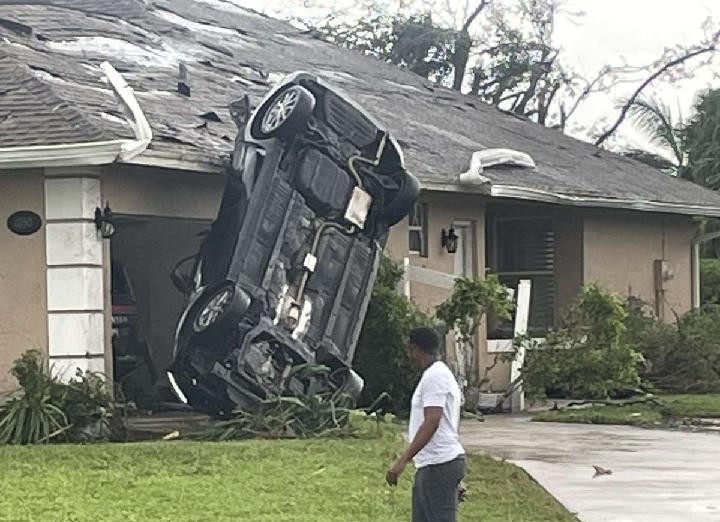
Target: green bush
[(710, 280), (683, 357), (381, 357), (32, 416), (45, 409), (589, 356)]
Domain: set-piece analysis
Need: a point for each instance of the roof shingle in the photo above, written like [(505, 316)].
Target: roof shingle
[(232, 51)]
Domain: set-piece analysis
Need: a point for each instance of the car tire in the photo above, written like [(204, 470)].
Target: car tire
[(285, 114), (400, 206), (220, 310)]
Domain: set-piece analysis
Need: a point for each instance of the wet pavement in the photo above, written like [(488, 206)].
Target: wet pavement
[(657, 475)]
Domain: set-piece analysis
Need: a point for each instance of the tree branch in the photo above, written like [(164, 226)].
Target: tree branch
[(479, 9), (648, 81)]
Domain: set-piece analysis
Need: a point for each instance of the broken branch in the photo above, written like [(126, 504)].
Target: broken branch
[(648, 81)]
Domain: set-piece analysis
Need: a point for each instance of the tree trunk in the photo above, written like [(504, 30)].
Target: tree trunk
[(460, 58)]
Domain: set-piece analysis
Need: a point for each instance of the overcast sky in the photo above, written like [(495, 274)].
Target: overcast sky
[(611, 31)]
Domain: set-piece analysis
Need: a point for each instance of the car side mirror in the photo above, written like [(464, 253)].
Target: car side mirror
[(240, 112), (181, 277)]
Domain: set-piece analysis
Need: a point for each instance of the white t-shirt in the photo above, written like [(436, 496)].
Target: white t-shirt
[(437, 388)]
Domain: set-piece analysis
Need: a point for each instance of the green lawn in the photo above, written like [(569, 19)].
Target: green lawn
[(673, 407), (256, 481)]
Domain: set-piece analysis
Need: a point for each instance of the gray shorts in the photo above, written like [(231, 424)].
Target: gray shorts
[(435, 491)]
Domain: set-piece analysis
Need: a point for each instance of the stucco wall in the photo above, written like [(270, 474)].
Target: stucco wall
[(159, 193), (23, 319), (443, 210), (620, 248), (568, 226)]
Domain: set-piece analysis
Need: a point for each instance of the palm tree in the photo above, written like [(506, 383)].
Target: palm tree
[(655, 119)]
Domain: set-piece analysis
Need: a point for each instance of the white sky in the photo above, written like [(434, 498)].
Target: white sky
[(636, 31)]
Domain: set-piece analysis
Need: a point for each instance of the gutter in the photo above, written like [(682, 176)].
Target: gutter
[(88, 153), (509, 191)]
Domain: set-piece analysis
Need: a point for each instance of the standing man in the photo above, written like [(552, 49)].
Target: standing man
[(435, 445)]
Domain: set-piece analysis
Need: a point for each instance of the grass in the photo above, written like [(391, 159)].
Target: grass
[(259, 481), (701, 405), (636, 415), (673, 407)]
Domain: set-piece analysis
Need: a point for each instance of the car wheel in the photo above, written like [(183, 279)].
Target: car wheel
[(285, 114), (402, 203), (222, 308)]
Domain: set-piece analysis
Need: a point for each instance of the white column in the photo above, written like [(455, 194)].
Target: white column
[(75, 280), (522, 314)]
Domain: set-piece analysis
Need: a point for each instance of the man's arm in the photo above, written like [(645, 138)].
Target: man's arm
[(433, 415)]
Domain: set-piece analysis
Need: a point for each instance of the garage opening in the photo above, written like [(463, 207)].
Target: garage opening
[(145, 302)]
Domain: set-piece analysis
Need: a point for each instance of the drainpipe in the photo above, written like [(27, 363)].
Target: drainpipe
[(88, 153), (695, 254)]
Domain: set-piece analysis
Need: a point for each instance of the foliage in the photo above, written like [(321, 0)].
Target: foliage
[(471, 300), (710, 281), (700, 140), (681, 357), (322, 480), (46, 409), (656, 121), (32, 416), (380, 357), (515, 64), (463, 311), (588, 357)]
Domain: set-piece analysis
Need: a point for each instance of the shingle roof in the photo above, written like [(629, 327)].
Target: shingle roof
[(231, 51)]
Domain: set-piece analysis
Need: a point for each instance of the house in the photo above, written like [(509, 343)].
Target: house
[(74, 139)]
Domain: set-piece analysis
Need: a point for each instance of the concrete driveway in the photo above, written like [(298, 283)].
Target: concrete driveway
[(657, 476)]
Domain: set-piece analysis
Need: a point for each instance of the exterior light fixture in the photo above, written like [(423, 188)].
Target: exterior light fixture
[(104, 221), (449, 240)]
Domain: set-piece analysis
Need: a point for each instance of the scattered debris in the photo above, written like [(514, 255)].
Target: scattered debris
[(599, 471), (183, 86)]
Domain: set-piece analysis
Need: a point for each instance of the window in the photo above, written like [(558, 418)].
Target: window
[(524, 248), (417, 229)]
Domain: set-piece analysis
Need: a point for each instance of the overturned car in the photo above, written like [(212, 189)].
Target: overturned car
[(284, 276)]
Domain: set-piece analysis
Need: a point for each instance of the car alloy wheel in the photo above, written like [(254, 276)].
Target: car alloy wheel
[(213, 310), (280, 111)]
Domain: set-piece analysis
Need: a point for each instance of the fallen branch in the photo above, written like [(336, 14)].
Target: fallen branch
[(662, 70)]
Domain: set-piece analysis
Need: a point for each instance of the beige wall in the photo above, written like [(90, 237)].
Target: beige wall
[(159, 193), (443, 210), (23, 318), (620, 248), (568, 225)]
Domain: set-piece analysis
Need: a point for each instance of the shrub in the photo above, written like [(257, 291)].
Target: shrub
[(31, 416), (710, 280), (45, 409), (681, 357), (463, 311), (381, 356), (589, 356)]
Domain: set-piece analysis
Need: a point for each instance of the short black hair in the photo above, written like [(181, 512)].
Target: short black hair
[(425, 338)]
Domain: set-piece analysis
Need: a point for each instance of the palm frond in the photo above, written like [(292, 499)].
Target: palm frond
[(654, 118), (652, 160)]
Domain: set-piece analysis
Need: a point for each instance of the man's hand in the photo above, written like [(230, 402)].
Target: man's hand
[(395, 471)]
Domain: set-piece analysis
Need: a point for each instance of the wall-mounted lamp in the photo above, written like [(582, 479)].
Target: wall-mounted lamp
[(104, 221), (449, 240)]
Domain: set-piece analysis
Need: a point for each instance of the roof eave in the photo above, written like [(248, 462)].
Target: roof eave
[(515, 192), (63, 155)]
